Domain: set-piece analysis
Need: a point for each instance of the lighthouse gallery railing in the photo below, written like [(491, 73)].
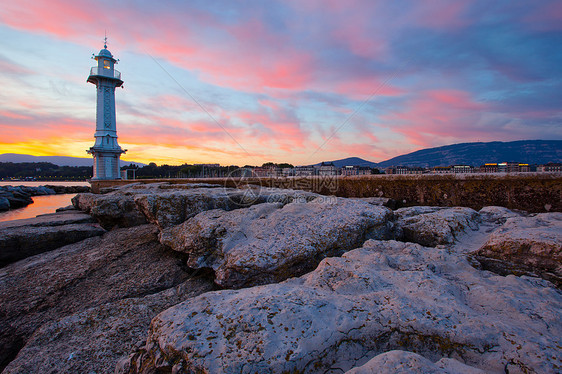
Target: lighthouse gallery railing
[(96, 70)]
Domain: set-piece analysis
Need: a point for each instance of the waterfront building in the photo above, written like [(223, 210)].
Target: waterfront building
[(304, 171), (462, 169), (106, 151), (327, 168), (441, 170), (356, 170), (550, 167)]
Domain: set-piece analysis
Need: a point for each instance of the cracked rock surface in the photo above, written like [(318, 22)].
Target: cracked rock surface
[(403, 362), (383, 296), (27, 237), (431, 226), (167, 205), (93, 340), (121, 264), (127, 303), (526, 245), (271, 242)]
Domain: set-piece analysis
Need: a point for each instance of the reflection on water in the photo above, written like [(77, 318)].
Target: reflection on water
[(41, 205)]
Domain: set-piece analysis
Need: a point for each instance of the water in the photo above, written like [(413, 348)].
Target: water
[(41, 204)]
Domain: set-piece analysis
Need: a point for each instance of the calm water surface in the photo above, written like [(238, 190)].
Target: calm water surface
[(41, 204)]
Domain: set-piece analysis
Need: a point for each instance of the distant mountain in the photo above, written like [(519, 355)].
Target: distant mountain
[(352, 161), (57, 160), (476, 154)]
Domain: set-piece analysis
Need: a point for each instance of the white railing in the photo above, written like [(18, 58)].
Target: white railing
[(96, 70)]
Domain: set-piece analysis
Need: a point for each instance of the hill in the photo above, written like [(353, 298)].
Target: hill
[(476, 154), (352, 161), (57, 160)]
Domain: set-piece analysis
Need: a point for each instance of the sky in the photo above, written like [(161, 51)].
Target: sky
[(297, 81)]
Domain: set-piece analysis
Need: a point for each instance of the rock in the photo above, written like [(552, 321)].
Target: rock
[(37, 191), (68, 189), (271, 242), (167, 204), (431, 226), (397, 362), (123, 263), (526, 245), (20, 196), (498, 214), (378, 298), (381, 201), (110, 210), (93, 341), (27, 237), (174, 207), (16, 196), (51, 219), (4, 204), (66, 208)]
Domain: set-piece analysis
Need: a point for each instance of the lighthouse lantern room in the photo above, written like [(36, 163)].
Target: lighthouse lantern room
[(106, 150)]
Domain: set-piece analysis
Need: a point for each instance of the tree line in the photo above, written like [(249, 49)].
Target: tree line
[(48, 171), (43, 171)]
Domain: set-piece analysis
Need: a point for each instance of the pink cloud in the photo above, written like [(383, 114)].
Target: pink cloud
[(439, 114)]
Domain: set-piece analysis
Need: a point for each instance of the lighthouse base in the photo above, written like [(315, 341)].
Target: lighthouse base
[(106, 165)]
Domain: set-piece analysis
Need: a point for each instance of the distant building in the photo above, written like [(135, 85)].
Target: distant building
[(304, 171), (441, 170), (550, 168), (462, 169), (327, 168), (505, 167), (407, 170), (269, 171), (489, 168), (356, 170)]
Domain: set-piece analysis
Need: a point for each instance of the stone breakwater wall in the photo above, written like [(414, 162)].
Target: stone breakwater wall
[(534, 193)]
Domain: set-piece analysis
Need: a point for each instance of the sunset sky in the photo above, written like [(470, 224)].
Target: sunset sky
[(298, 81)]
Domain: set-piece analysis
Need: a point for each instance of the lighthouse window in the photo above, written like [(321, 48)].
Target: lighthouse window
[(106, 64)]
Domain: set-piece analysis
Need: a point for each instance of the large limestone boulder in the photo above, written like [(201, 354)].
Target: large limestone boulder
[(498, 214), (431, 226), (378, 298), (123, 263), (271, 242), (27, 237), (526, 245), (110, 210), (167, 204), (403, 362), (93, 340), (174, 206)]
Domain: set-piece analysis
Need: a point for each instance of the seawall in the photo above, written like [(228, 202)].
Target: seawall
[(537, 192)]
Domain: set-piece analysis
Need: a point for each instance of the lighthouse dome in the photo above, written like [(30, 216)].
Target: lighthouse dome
[(105, 53)]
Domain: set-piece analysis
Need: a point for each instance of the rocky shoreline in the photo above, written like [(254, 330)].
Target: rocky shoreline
[(13, 197), (204, 279)]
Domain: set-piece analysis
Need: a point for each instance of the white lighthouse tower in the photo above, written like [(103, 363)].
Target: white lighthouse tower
[(106, 151)]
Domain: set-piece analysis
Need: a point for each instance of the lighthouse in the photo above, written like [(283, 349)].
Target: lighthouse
[(106, 150)]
